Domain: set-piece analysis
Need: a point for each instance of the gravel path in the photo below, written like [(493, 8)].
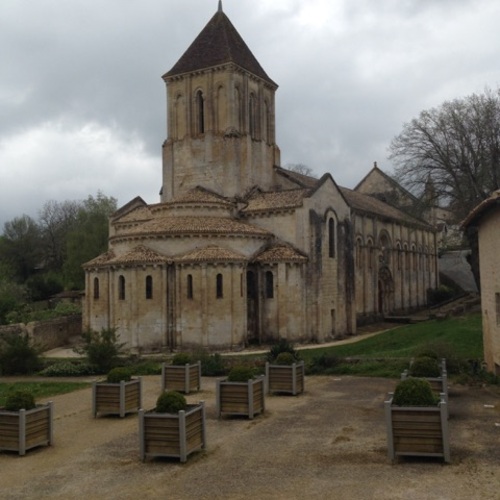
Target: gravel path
[(329, 442)]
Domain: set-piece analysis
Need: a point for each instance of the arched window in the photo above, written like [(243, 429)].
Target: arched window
[(189, 286), (269, 285), (149, 287), (252, 117), (121, 288), (400, 256), (359, 254), (331, 237), (96, 288), (219, 286), (371, 255), (200, 112)]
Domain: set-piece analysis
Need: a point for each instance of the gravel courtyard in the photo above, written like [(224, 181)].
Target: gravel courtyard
[(329, 442)]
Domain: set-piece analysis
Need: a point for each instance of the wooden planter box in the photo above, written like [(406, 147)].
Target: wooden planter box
[(181, 378), (116, 398), (175, 435), (286, 379), (25, 429), (417, 430), (240, 398)]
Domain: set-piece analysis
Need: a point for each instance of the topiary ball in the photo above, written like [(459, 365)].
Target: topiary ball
[(414, 392), (116, 375), (19, 400), (425, 366), (181, 358), (170, 402), (285, 358), (240, 374)]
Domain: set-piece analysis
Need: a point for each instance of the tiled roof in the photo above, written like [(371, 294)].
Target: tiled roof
[(191, 225), (493, 201), (305, 181), (275, 200), (280, 253), (104, 258), (218, 43), (211, 254), (139, 214), (371, 205), (140, 255), (200, 195)]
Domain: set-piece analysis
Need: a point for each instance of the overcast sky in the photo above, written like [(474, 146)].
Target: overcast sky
[(82, 103)]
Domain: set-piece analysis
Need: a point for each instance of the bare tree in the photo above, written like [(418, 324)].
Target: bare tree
[(300, 168), (456, 147)]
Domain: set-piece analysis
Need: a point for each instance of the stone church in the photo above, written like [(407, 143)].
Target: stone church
[(240, 250)]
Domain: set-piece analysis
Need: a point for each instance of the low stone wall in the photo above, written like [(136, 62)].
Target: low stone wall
[(48, 334)]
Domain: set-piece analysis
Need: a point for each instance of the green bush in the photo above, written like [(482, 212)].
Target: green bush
[(101, 349), (116, 375), (282, 346), (212, 365), (181, 359), (324, 363), (414, 392), (285, 358), (240, 374), (440, 294), (67, 369), (170, 402), (425, 367), (18, 400), (18, 356)]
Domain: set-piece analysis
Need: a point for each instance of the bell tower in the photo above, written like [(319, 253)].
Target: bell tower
[(220, 116)]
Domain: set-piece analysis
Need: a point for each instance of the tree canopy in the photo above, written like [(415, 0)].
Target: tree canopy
[(455, 148)]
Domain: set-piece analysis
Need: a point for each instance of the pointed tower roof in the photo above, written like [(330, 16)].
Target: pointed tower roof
[(218, 43)]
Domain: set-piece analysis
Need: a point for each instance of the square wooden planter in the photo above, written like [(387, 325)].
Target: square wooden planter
[(116, 398), (25, 429), (174, 435), (285, 379), (240, 398), (181, 378), (417, 430)]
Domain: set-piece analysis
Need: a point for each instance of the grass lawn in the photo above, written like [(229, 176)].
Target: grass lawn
[(40, 389)]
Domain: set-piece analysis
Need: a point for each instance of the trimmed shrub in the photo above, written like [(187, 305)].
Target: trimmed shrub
[(285, 358), (181, 359), (282, 346), (116, 375), (240, 374), (170, 402), (414, 392), (19, 400), (425, 367)]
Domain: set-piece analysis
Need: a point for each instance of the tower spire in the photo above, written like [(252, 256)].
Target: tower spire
[(220, 6)]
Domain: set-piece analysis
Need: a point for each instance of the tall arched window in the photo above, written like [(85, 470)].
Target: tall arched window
[(121, 287), (331, 237), (269, 285), (359, 254), (200, 112), (252, 117), (189, 284), (371, 255), (96, 288), (219, 287), (149, 287)]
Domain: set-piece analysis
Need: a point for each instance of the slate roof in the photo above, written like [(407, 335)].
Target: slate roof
[(217, 44), (370, 205), (200, 195)]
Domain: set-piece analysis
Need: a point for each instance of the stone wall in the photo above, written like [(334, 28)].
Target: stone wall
[(48, 334)]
